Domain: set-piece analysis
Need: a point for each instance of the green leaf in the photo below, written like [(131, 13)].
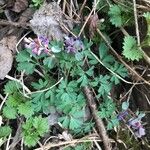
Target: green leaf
[(130, 49), (11, 87), (119, 15), (109, 125), (107, 108), (141, 115), (74, 123), (5, 131), (14, 100), (104, 56), (31, 140), (112, 123), (40, 84), (79, 56), (41, 125), (125, 105), (90, 72), (9, 112), (65, 121), (56, 46), (26, 109), (78, 114), (65, 97), (120, 70), (105, 85), (50, 62), (26, 66), (56, 49), (83, 80), (95, 82), (39, 101), (23, 56), (102, 113), (115, 15), (32, 129), (37, 3)]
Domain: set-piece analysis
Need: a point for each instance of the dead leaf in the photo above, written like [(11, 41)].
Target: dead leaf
[(49, 23), (6, 59), (11, 43), (65, 136), (92, 24), (20, 5)]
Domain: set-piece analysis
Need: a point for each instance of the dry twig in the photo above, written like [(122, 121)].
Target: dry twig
[(145, 56), (99, 123)]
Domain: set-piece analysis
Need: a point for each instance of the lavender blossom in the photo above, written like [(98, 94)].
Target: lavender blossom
[(135, 123), (43, 41), (38, 45), (140, 132), (73, 45), (122, 115)]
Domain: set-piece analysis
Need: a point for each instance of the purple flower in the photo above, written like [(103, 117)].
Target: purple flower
[(73, 45), (69, 41), (140, 132), (43, 41), (122, 115), (38, 45), (135, 124)]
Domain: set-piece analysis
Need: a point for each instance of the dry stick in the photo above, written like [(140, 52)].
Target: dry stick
[(83, 5), (99, 123), (64, 6), (4, 99), (44, 90), (87, 19), (118, 76), (130, 90), (16, 138), (16, 24), (146, 57), (119, 57), (8, 142), (13, 79), (75, 141)]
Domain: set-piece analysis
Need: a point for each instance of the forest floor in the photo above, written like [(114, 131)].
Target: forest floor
[(74, 75)]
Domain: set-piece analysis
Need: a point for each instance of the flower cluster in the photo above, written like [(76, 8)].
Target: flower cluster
[(134, 122), (38, 45), (73, 45)]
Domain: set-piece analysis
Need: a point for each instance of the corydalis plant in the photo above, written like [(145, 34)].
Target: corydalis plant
[(136, 125), (135, 122)]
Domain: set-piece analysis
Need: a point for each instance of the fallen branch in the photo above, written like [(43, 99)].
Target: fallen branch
[(99, 123), (15, 24), (91, 138)]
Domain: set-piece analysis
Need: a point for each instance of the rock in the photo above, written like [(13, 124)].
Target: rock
[(46, 21)]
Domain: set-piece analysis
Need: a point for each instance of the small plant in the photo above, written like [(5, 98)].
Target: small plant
[(33, 129), (37, 3), (130, 49), (119, 16)]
